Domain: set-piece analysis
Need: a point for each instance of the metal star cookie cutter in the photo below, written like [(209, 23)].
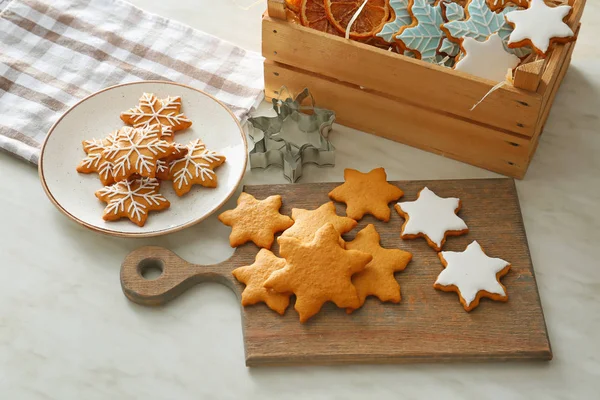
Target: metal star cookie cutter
[(274, 145)]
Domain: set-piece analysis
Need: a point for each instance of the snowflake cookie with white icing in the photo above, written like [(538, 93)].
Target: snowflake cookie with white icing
[(196, 167), (539, 26), (95, 161), (152, 110), (164, 164), (473, 275), (431, 217), (136, 151), (133, 199)]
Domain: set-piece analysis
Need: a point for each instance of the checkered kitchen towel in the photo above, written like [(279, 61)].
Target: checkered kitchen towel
[(55, 52)]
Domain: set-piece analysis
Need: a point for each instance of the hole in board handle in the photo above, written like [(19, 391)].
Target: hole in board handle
[(151, 268), (275, 52), (274, 30), (276, 73)]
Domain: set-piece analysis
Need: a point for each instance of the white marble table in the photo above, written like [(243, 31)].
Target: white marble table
[(67, 331)]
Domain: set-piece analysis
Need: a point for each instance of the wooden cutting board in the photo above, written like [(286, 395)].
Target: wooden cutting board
[(426, 326)]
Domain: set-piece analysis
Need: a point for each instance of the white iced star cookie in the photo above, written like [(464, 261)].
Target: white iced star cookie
[(539, 26), (431, 217), (473, 275), (488, 60)]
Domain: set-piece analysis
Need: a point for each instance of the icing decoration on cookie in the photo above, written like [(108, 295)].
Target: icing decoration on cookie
[(255, 220), (377, 279), (318, 271), (473, 275), (166, 133), (496, 5), (424, 35), (368, 193), (481, 23), (402, 18), (449, 48), (539, 26), (452, 11), (152, 110), (133, 199), (136, 151), (163, 165), (196, 167), (254, 277), (431, 217), (488, 60), (307, 222), (95, 161)]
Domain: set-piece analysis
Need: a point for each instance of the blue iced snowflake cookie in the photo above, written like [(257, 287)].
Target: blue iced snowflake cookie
[(424, 36), (480, 23)]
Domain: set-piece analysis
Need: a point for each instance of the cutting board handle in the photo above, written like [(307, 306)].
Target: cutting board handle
[(177, 275)]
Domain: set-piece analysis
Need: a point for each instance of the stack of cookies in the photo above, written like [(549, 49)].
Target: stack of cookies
[(132, 161), (316, 265)]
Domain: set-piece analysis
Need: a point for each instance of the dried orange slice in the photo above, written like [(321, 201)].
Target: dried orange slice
[(294, 5), (370, 21), (313, 15)]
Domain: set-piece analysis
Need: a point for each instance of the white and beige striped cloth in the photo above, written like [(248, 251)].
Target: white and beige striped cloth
[(55, 52)]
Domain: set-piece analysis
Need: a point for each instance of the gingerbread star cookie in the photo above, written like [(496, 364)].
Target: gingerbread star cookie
[(318, 271), (133, 199), (473, 275), (377, 279), (254, 277), (368, 193), (196, 167), (255, 220), (152, 110), (136, 151), (164, 164), (539, 26), (307, 222), (431, 217), (95, 161)]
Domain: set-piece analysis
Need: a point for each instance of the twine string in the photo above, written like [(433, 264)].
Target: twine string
[(354, 18)]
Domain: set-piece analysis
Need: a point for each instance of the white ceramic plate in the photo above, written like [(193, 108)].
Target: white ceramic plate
[(97, 115)]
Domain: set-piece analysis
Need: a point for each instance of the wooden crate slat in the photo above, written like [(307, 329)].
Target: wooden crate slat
[(552, 95), (276, 9), (528, 76), (439, 133), (386, 72)]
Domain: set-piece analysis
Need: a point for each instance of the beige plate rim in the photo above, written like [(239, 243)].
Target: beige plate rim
[(141, 234)]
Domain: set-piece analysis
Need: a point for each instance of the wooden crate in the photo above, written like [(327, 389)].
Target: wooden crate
[(414, 102)]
